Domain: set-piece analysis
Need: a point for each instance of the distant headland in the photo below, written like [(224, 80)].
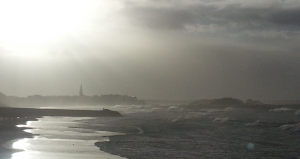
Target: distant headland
[(15, 113), (80, 99), (225, 102)]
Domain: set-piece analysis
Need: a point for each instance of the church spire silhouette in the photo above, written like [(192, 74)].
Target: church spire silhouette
[(81, 92)]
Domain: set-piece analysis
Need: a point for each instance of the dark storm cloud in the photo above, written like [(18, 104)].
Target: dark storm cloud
[(172, 49), (286, 17), (245, 49), (234, 16), (162, 18)]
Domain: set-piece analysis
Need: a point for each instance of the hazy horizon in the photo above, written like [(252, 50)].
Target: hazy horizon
[(152, 49)]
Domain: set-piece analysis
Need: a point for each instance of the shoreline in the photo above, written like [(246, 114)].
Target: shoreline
[(16, 133), (10, 117), (14, 113), (9, 131)]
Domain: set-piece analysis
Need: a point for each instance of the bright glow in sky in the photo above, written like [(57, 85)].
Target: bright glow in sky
[(30, 25), (207, 49)]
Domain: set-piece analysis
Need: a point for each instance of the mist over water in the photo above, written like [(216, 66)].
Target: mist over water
[(76, 54)]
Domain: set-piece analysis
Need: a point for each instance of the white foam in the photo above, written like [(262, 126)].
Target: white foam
[(292, 127), (280, 109), (297, 112), (173, 107), (221, 120), (257, 123)]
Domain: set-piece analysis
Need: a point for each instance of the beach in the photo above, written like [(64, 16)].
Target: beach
[(53, 137), (9, 131), (160, 132), (24, 131)]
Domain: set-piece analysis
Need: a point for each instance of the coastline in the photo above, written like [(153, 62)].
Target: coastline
[(13, 112), (9, 131), (11, 117)]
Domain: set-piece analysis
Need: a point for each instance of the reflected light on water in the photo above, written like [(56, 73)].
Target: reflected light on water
[(22, 144), (28, 123), (29, 130), (57, 139), (25, 155)]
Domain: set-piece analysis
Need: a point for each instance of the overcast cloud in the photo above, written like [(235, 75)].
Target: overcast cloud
[(170, 49)]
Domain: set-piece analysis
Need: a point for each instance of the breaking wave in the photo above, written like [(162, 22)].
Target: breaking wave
[(280, 109), (291, 127)]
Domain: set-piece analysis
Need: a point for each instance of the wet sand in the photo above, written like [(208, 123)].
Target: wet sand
[(10, 117), (9, 131)]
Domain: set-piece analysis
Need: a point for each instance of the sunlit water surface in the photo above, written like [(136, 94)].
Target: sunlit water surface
[(60, 138)]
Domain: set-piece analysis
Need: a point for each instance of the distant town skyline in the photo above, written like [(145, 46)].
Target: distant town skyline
[(81, 91), (177, 50)]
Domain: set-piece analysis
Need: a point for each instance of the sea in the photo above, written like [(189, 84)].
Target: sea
[(171, 131)]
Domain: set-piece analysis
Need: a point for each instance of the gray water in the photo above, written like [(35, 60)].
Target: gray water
[(226, 132), (147, 132)]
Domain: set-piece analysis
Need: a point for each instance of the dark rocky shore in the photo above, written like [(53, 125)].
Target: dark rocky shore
[(9, 112)]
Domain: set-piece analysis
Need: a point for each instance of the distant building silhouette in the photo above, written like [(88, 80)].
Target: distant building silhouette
[(80, 99), (81, 92)]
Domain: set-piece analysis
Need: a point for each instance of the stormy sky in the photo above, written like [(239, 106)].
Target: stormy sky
[(152, 49)]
